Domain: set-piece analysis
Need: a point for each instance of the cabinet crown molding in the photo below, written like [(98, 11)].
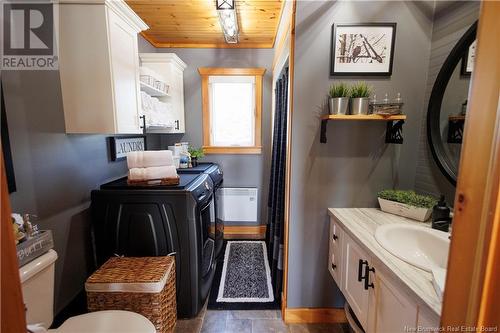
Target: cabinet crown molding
[(118, 6), (171, 58)]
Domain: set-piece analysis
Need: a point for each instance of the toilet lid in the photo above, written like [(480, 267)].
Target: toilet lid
[(112, 321)]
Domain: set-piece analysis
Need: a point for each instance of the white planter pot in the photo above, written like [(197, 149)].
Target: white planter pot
[(397, 208)]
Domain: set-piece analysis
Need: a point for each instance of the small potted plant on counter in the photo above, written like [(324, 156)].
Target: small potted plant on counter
[(195, 155), (360, 98), (407, 204), (338, 101)]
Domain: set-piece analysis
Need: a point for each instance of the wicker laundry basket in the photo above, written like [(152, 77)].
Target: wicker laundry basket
[(142, 285)]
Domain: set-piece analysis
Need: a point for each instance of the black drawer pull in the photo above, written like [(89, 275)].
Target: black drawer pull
[(360, 269), (335, 237), (334, 266), (368, 269)]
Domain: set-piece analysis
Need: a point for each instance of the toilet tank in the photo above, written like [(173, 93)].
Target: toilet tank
[(37, 283)]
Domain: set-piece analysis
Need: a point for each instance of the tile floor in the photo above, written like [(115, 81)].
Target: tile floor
[(262, 321)]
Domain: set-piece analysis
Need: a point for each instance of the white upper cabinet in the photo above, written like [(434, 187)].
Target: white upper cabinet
[(99, 66), (169, 68)]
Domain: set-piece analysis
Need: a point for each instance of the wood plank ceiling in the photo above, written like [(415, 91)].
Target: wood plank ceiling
[(194, 23)]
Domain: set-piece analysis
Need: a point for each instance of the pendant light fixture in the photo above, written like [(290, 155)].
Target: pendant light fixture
[(226, 9)]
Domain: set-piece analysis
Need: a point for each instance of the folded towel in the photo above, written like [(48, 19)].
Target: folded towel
[(152, 173), (149, 158)]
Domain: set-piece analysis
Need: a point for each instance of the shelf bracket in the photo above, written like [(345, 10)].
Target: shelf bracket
[(322, 137), (455, 131), (394, 132)]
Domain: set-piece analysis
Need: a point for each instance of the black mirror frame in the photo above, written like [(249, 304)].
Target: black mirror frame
[(436, 99)]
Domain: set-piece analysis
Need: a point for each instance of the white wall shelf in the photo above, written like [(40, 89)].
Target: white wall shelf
[(152, 91), (170, 68)]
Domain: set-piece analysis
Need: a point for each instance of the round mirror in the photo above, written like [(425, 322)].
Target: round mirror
[(448, 105)]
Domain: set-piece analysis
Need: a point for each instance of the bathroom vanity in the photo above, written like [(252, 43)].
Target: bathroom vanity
[(384, 292)]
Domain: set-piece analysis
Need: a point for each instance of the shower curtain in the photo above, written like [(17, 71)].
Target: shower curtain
[(276, 200)]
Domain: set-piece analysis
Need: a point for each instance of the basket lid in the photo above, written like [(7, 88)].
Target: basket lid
[(129, 274), (107, 321)]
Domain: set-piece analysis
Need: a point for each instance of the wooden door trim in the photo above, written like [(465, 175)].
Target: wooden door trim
[(12, 314), (476, 199), (314, 315), (288, 171)]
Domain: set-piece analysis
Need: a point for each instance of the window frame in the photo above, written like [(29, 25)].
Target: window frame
[(205, 73)]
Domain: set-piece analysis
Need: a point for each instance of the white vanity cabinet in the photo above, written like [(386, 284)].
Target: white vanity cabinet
[(380, 303), (394, 311), (336, 237), (99, 66), (357, 283)]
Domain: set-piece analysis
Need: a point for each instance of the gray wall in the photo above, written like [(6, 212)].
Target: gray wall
[(239, 170), (55, 172), (355, 163), (451, 21)]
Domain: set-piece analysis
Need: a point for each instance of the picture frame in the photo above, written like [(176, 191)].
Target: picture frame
[(119, 146), (362, 49), (468, 60)]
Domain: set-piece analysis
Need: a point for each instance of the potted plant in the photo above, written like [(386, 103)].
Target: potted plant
[(360, 93), (407, 203), (338, 100), (195, 155)]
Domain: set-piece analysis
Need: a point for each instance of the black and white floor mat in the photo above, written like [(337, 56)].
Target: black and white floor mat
[(246, 276)]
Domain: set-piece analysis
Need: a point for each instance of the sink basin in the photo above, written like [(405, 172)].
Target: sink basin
[(419, 246)]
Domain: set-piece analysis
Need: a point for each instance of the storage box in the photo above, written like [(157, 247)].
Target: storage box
[(34, 247), (142, 285)]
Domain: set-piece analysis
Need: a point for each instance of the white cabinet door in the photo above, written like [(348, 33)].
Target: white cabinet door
[(394, 311), (99, 66), (177, 96), (125, 73), (427, 321), (335, 264), (355, 260)]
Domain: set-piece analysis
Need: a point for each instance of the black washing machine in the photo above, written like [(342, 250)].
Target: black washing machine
[(138, 221), (216, 174)]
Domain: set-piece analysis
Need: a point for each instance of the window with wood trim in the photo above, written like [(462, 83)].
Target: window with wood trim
[(232, 110)]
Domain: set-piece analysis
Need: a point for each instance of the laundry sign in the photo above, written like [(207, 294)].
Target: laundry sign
[(121, 145)]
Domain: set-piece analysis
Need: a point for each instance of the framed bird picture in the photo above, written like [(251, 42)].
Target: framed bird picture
[(365, 49)]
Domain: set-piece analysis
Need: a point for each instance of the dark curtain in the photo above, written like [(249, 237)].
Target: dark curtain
[(7, 153), (276, 201)]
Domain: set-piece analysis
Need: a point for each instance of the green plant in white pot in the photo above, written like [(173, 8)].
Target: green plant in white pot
[(338, 101), (360, 98), (406, 203)]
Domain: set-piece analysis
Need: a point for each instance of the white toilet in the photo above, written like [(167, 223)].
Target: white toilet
[(37, 281)]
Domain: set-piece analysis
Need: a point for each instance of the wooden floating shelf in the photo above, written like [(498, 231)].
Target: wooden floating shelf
[(394, 131), (376, 117), (456, 118), (455, 128)]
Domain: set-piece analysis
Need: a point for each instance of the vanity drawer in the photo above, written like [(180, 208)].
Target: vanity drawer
[(335, 238)]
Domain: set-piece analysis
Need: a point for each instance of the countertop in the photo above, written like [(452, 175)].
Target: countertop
[(360, 224)]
